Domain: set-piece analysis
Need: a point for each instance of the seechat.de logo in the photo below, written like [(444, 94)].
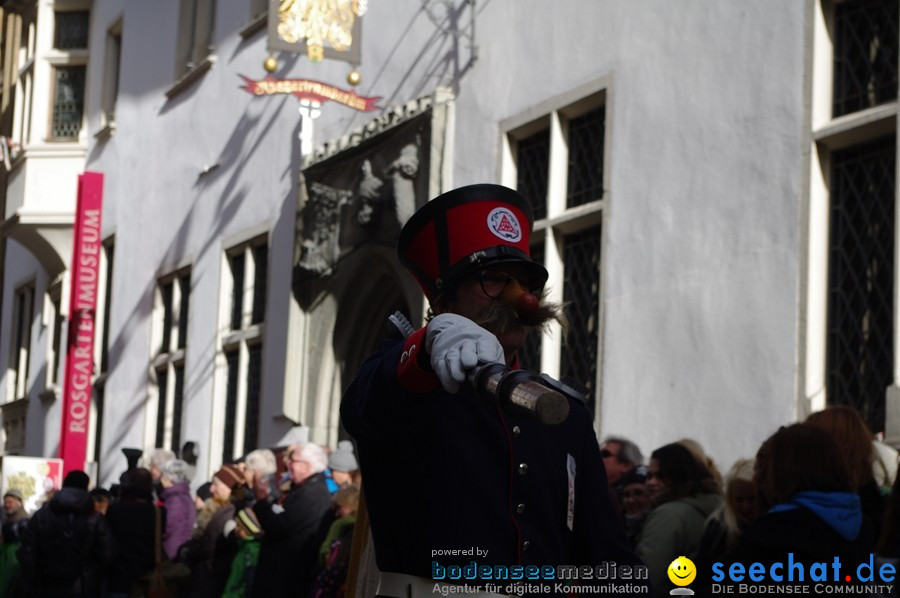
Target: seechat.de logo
[(682, 572)]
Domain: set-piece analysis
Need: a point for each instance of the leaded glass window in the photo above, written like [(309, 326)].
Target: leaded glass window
[(260, 282), (68, 101), (865, 54), (861, 278), (251, 414), (585, 176), (71, 30), (162, 382), (581, 262), (231, 397), (237, 290), (560, 172), (530, 353), (533, 163), (185, 286), (177, 406), (166, 295)]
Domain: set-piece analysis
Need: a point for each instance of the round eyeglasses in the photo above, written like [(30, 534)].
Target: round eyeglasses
[(493, 283)]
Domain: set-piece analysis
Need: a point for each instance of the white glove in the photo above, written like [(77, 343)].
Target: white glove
[(457, 344)]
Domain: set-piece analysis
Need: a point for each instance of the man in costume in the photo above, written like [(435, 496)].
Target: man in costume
[(451, 478)]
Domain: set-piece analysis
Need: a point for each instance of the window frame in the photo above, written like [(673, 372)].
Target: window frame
[(240, 342), (827, 135), (20, 341), (195, 47), (66, 58), (560, 222), (55, 321), (166, 362), (112, 71)]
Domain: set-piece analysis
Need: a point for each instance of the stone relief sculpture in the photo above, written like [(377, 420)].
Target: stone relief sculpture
[(403, 173), (371, 197), (323, 214), (319, 250)]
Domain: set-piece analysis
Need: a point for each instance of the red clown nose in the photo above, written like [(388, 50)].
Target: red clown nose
[(519, 299)]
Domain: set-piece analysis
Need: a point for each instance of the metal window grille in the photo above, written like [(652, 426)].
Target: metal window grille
[(260, 282), (254, 379), (184, 284), (162, 382), (231, 394), (581, 293), (71, 30), (865, 54), (237, 289), (585, 178), (530, 353), (107, 308), (177, 406), (68, 102), (165, 291), (533, 171), (861, 278)]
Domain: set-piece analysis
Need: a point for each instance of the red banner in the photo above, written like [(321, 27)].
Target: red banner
[(82, 319), (310, 90)]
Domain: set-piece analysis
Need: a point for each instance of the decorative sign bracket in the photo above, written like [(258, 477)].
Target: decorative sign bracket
[(313, 91)]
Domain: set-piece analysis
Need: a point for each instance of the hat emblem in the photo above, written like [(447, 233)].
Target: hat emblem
[(504, 224)]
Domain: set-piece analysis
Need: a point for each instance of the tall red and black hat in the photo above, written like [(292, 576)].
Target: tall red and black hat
[(463, 230)]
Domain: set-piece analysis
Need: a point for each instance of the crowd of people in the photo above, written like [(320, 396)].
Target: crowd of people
[(257, 528), (459, 472), (819, 489)]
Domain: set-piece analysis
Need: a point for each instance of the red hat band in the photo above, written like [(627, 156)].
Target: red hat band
[(463, 229)]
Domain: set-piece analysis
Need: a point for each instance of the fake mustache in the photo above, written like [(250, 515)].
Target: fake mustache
[(500, 316)]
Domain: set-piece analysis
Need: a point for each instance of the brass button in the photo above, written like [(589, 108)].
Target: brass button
[(517, 431), (525, 545), (523, 468), (520, 508)]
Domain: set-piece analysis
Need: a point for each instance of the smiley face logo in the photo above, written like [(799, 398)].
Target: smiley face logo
[(682, 571)]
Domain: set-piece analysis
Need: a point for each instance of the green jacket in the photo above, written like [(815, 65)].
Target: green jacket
[(673, 529), (243, 567)]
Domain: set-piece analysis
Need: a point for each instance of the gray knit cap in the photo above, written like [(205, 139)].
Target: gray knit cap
[(343, 458)]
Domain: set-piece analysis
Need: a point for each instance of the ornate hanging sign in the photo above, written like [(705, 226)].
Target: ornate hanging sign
[(320, 28), (315, 91)]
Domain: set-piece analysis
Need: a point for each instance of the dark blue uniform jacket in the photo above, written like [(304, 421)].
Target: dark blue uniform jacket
[(451, 472)]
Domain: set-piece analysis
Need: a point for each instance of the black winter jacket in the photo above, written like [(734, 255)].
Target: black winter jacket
[(66, 547)]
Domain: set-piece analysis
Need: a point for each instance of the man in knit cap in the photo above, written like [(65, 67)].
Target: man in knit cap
[(13, 506), (342, 463), (15, 521)]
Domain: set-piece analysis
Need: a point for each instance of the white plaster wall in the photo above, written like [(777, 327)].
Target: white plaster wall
[(706, 122), (43, 419), (706, 119), (165, 213)]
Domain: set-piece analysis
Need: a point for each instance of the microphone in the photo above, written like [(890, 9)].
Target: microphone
[(519, 392)]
